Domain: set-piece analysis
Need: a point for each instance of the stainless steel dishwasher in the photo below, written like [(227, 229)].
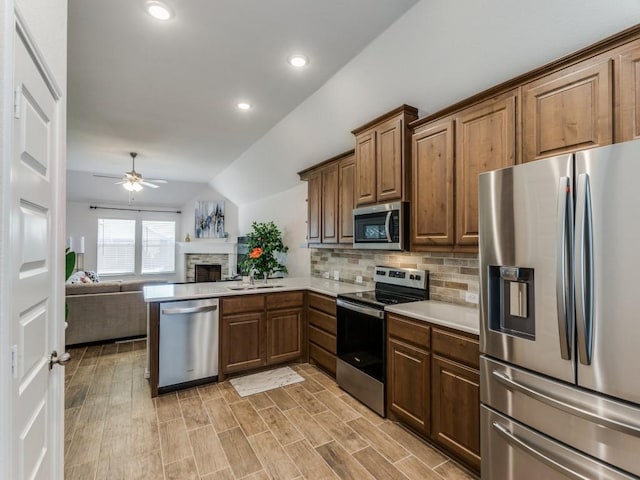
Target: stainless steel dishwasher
[(188, 348)]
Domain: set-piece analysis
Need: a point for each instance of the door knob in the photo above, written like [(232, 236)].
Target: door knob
[(60, 360)]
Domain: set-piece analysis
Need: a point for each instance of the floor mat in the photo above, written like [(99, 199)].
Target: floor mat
[(263, 381)]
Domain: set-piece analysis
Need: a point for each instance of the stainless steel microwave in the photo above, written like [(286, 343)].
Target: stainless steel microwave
[(381, 227)]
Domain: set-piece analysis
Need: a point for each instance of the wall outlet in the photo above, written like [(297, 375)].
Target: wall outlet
[(471, 297), (325, 274), (358, 278), (336, 275)]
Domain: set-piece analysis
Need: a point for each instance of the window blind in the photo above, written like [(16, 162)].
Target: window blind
[(116, 246), (158, 246)]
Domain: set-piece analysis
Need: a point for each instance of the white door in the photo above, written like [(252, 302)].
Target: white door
[(35, 277)]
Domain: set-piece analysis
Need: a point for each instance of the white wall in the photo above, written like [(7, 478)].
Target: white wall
[(189, 208), (439, 52), (288, 210), (83, 221)]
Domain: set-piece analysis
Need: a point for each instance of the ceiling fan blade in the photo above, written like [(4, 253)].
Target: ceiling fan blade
[(147, 184), (156, 180), (120, 182), (107, 176)]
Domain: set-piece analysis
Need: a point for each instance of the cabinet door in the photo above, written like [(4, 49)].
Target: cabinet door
[(365, 180), (485, 140), (568, 110), (242, 342), (346, 198), (284, 335), (329, 198), (628, 95), (455, 414), (389, 159), (432, 188), (314, 184), (408, 384)]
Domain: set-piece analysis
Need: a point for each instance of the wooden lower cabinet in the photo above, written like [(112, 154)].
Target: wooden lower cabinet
[(408, 384), (284, 335), (243, 345), (455, 409), (433, 385), (321, 319), (259, 330)]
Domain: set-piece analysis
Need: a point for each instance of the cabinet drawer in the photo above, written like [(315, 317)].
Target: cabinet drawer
[(242, 304), (456, 347), (322, 358), (322, 338), (414, 332), (285, 300), (322, 320), (323, 303)]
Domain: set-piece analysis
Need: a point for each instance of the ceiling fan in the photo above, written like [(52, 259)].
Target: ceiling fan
[(133, 181)]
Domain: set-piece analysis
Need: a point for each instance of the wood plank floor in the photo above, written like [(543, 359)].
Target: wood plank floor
[(309, 430)]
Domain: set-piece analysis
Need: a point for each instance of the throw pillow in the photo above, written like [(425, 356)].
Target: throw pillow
[(93, 276)]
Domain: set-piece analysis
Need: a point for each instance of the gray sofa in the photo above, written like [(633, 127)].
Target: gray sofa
[(106, 311)]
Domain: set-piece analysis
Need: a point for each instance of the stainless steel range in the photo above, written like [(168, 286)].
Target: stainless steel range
[(361, 363)]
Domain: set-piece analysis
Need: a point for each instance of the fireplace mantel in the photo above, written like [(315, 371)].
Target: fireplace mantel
[(206, 246)]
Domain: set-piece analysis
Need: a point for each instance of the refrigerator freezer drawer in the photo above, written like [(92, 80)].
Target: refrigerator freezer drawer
[(598, 426), (512, 451)]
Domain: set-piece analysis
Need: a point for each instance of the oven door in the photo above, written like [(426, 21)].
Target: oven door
[(361, 337)]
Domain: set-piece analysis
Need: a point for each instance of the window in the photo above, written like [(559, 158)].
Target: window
[(116, 246), (158, 247)]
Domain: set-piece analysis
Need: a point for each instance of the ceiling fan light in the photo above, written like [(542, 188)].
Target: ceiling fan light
[(158, 10), (128, 186), (136, 187)]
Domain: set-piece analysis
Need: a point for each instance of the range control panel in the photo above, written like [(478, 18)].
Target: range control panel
[(407, 277)]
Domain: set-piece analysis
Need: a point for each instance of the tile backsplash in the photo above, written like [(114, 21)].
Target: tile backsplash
[(451, 275)]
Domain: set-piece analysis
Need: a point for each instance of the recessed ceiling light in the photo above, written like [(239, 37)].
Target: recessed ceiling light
[(243, 106), (298, 60), (158, 10)]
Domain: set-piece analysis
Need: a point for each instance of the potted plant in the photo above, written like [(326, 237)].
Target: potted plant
[(264, 241)]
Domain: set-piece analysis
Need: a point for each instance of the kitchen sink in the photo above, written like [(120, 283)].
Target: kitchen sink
[(253, 287)]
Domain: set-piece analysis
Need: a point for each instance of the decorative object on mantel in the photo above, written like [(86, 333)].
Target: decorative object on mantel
[(263, 242), (187, 238), (209, 219)]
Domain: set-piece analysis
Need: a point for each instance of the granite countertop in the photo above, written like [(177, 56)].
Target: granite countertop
[(190, 291), (462, 318)]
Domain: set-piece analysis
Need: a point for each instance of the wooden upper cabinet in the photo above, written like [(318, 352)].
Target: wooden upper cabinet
[(383, 157), (389, 161), (330, 197), (346, 198), (314, 207), (485, 140), (627, 101), (432, 199), (569, 110), (329, 200), (366, 168)]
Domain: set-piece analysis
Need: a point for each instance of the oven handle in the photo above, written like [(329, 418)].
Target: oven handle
[(372, 312)]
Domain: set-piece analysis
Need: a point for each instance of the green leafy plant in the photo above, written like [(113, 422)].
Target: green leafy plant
[(70, 264), (264, 241)]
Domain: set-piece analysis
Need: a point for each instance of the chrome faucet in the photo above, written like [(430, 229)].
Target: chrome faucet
[(252, 279), (265, 278)]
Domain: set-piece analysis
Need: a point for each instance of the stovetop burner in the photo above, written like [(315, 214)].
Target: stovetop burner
[(393, 286)]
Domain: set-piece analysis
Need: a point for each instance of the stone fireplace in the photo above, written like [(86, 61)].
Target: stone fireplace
[(193, 260), (205, 252)]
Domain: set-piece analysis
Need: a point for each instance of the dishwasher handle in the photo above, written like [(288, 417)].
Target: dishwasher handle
[(185, 310)]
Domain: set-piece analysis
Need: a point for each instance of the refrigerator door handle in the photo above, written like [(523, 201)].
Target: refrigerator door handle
[(560, 404), (583, 262), (547, 460), (564, 284)]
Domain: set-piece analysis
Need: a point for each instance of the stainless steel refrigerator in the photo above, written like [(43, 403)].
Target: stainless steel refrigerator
[(560, 317)]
